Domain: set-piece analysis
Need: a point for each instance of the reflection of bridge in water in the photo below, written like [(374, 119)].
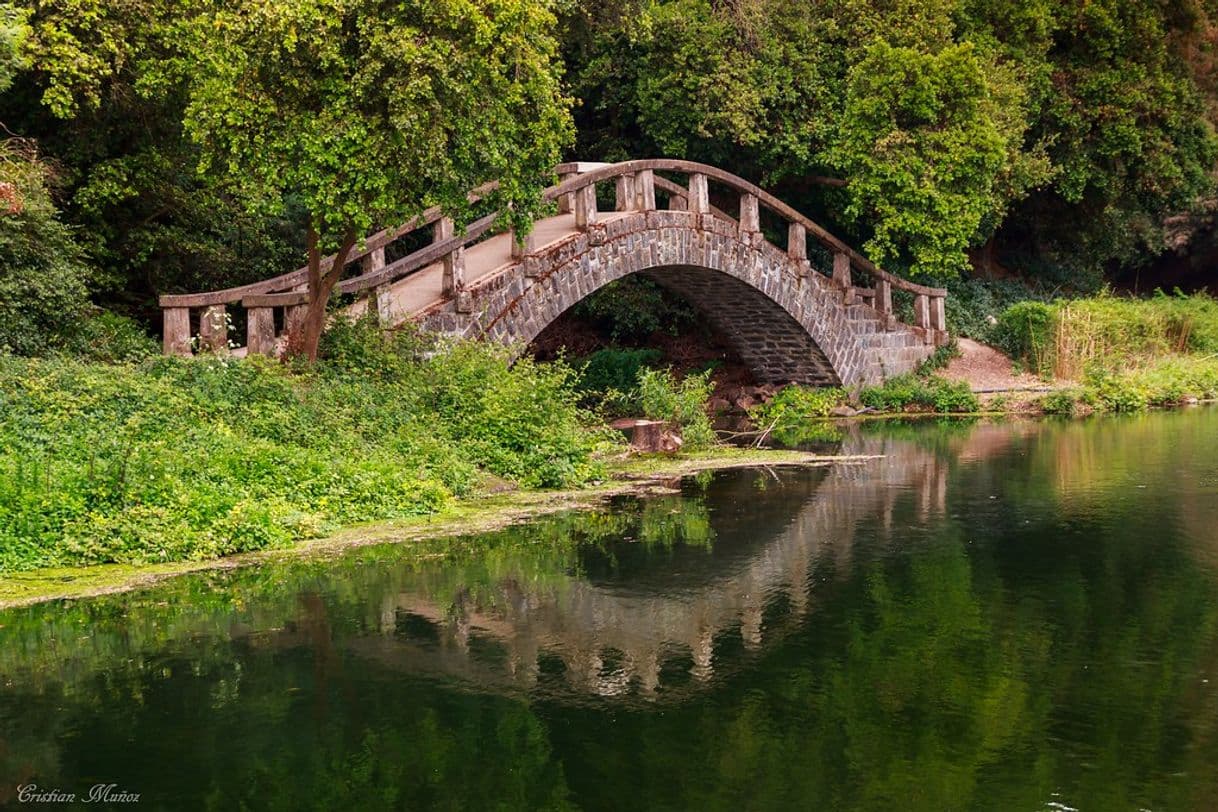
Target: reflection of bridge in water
[(618, 637)]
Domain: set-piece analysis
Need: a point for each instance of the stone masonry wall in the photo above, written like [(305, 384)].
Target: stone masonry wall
[(787, 324)]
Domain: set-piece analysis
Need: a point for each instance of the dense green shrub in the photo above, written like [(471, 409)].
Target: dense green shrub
[(795, 416), (633, 308), (1115, 393), (1063, 401), (195, 458), (794, 404), (43, 276), (911, 392), (110, 338), (682, 402), (612, 375), (1025, 332)]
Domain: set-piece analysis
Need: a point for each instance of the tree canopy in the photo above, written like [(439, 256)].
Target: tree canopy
[(1077, 126), (367, 113)]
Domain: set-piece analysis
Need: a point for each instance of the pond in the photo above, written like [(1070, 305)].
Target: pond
[(981, 616)]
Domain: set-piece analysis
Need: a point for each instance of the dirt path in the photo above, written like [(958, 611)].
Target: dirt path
[(987, 370)]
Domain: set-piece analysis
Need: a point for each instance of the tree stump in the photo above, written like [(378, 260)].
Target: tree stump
[(650, 436)]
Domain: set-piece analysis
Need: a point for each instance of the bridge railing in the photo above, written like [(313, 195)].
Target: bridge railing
[(635, 184), (288, 292)]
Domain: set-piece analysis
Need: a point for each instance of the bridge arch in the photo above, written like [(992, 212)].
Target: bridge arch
[(784, 328), (788, 320)]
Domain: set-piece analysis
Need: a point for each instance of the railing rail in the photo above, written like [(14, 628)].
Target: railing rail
[(635, 184)]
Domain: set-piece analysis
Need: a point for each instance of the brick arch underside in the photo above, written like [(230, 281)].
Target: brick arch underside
[(768, 340)]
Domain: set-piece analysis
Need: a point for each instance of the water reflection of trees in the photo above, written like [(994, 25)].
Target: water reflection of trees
[(960, 652)]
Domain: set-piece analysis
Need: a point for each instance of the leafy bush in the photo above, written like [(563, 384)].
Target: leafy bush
[(910, 392), (1174, 380), (795, 404), (193, 458), (794, 416), (633, 308), (1063, 401), (683, 402), (1024, 332), (1116, 393), (110, 338), (43, 277), (613, 373)]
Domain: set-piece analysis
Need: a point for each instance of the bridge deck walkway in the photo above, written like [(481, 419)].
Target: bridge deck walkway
[(423, 289)]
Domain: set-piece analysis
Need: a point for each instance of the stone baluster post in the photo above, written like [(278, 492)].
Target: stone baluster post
[(645, 190), (883, 296), (566, 203), (260, 330), (452, 282), (699, 195), (294, 318), (922, 310), (382, 297), (797, 247), (176, 328), (750, 216), (585, 207), (624, 190), (938, 314), (523, 246), (372, 262), (841, 275)]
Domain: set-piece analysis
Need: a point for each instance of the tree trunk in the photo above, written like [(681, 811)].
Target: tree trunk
[(321, 285)]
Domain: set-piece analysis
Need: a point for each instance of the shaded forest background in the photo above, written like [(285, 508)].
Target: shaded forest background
[(1068, 145)]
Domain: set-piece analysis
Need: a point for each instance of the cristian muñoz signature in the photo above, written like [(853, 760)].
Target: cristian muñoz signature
[(97, 794)]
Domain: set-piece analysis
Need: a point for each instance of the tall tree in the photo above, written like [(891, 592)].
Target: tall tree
[(367, 112), (125, 172)]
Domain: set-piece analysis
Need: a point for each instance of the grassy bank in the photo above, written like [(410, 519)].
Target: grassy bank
[(476, 514), (1117, 354), (191, 459), (1098, 354)]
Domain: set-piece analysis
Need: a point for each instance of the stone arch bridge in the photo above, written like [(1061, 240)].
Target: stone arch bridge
[(823, 316)]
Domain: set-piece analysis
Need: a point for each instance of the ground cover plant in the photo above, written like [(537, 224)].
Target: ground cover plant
[(920, 393), (797, 415), (176, 459)]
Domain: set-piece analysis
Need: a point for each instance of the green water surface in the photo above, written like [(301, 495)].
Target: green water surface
[(1015, 616)]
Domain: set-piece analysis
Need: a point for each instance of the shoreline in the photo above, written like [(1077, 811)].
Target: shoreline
[(635, 475), (640, 475)]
